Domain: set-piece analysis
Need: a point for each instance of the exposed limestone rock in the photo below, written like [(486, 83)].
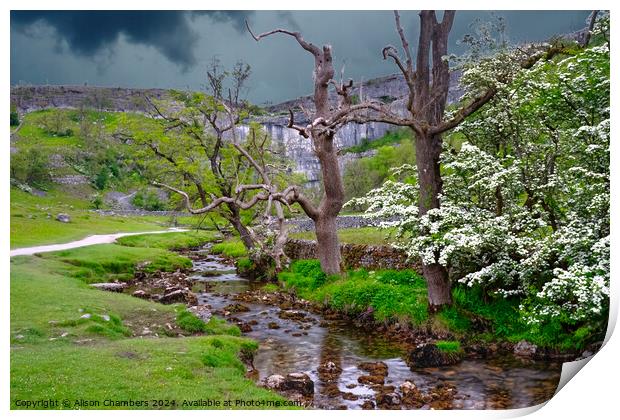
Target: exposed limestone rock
[(63, 217), (525, 349), (110, 287)]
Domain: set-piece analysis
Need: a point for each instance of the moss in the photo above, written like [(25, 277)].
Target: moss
[(449, 346)]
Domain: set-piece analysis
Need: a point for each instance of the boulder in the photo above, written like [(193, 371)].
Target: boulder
[(274, 382), (299, 382), (375, 368), (411, 395), (295, 383), (110, 287), (329, 371), (236, 307), (178, 296), (368, 405), (63, 217), (140, 294), (388, 400), (429, 355), (525, 349), (371, 379)]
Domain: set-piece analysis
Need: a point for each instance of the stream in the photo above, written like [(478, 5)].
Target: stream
[(288, 345)]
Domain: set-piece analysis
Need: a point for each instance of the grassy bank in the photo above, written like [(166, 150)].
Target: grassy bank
[(392, 295), (70, 341), (365, 235)]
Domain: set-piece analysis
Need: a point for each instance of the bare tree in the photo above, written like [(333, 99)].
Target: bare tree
[(325, 119)]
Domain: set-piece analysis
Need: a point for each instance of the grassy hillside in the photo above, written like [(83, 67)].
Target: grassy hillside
[(58, 354)]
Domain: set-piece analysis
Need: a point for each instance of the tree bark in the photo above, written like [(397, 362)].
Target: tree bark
[(428, 152), (439, 288), (244, 234), (328, 246)]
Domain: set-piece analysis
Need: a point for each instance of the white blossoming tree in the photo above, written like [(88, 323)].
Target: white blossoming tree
[(525, 203)]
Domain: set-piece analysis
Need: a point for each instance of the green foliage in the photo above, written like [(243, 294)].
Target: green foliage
[(30, 166), (14, 117), (244, 264), (192, 324), (231, 248), (102, 178), (270, 288), (148, 199), (365, 174), (401, 277), (96, 201), (389, 139), (310, 269)]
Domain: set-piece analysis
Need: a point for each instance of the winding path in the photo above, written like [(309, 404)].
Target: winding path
[(89, 240)]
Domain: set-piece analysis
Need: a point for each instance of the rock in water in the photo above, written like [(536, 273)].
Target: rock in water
[(388, 400), (429, 355), (178, 296), (296, 383), (299, 382), (274, 382), (525, 349), (63, 217)]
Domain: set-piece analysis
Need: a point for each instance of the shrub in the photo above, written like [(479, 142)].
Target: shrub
[(96, 201), (148, 199), (310, 269), (14, 118), (190, 322), (30, 166)]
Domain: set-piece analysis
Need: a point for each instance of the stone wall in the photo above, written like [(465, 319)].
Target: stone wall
[(371, 257)]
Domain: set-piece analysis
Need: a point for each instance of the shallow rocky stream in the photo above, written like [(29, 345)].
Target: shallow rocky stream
[(305, 342)]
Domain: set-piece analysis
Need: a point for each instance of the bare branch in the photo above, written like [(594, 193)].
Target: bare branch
[(404, 42), (308, 46), (291, 124)]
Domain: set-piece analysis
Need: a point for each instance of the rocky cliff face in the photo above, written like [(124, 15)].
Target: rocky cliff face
[(389, 89)]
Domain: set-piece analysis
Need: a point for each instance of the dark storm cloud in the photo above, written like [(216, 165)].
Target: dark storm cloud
[(148, 48), (88, 33), (235, 17)]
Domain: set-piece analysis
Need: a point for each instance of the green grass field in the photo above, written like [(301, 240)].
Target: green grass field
[(56, 353), (365, 235), (30, 224)]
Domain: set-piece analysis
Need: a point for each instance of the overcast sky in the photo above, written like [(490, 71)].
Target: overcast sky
[(171, 49)]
